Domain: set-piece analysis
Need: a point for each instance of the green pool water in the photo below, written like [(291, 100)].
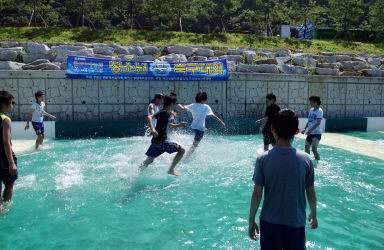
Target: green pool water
[(86, 194)]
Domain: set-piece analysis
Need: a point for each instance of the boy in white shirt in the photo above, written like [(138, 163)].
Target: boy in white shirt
[(37, 114), (200, 110), (153, 106), (313, 125)]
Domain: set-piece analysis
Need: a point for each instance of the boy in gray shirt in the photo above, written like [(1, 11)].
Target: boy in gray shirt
[(286, 175)]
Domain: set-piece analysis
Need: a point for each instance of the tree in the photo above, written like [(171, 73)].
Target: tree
[(344, 13), (175, 10), (376, 15), (306, 12), (224, 8), (132, 8), (270, 11)]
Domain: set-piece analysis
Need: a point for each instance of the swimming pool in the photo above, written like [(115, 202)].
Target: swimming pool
[(86, 194)]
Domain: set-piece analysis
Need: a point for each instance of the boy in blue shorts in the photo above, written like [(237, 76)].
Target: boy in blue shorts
[(8, 160), (37, 113), (200, 110), (313, 125), (160, 142), (287, 176)]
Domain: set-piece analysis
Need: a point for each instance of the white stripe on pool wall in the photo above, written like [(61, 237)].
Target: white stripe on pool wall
[(375, 124), (18, 131)]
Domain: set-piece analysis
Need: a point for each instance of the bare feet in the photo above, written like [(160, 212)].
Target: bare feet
[(173, 172)]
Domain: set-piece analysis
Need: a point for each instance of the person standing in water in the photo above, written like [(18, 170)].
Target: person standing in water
[(287, 176), (160, 142), (266, 121), (153, 106), (37, 113), (8, 160), (313, 125), (200, 110)]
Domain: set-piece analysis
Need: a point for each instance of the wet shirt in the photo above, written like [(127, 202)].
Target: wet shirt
[(155, 110), (3, 154), (285, 174), (162, 118), (38, 112), (270, 113), (312, 119), (199, 113)]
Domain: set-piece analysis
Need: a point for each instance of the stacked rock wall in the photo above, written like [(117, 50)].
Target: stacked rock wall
[(53, 56)]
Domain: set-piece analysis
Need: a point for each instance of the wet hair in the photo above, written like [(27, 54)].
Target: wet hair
[(38, 94), (5, 97), (172, 94), (316, 99), (201, 96), (270, 96), (168, 100), (157, 96), (285, 124)]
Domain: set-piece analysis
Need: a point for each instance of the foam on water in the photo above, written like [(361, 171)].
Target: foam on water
[(91, 194)]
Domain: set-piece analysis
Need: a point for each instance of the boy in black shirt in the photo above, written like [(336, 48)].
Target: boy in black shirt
[(160, 142), (266, 121), (8, 160)]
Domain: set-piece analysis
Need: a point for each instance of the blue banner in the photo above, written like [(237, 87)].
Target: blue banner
[(105, 69)]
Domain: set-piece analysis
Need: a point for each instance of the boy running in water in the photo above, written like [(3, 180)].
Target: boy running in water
[(8, 160), (200, 110), (37, 113), (160, 142), (313, 125), (266, 121), (153, 106)]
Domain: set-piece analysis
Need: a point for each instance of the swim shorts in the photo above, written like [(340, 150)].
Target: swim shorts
[(157, 149), (5, 176), (198, 135), (38, 127), (310, 137)]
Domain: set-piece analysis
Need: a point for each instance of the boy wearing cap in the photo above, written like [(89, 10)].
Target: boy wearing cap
[(37, 113), (153, 106)]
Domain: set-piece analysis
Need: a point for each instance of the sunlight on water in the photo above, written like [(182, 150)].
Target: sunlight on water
[(86, 194)]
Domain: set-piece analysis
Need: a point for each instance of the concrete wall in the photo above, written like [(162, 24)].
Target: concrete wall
[(18, 131), (242, 96)]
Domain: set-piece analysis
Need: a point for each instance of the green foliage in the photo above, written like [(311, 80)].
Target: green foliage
[(345, 12), (199, 16), (376, 15), (215, 40)]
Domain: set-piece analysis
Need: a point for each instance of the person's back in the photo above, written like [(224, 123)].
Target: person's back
[(285, 173), (199, 112)]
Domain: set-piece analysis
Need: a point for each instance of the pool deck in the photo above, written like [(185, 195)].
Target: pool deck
[(20, 146), (352, 144)]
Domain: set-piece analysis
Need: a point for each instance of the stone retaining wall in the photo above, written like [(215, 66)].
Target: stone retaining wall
[(242, 96)]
